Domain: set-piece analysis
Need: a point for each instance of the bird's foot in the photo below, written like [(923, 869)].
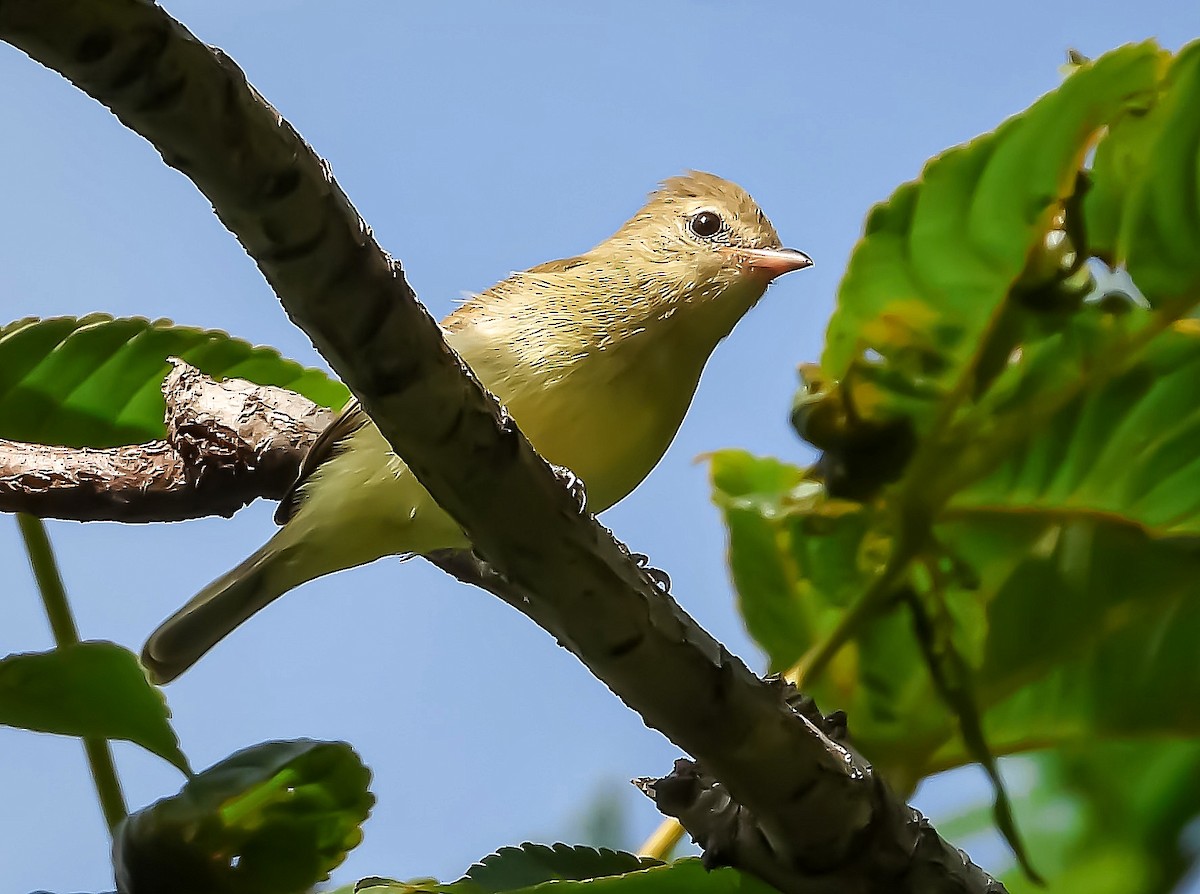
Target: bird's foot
[(574, 485), (658, 577)]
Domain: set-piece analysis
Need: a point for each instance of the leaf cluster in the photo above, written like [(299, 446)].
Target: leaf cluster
[(996, 551)]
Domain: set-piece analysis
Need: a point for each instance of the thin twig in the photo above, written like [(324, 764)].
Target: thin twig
[(663, 840)]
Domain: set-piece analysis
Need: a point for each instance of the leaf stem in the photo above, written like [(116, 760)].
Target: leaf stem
[(816, 659), (66, 634), (104, 777), (49, 581)]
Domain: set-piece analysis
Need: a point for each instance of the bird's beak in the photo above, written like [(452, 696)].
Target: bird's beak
[(775, 261)]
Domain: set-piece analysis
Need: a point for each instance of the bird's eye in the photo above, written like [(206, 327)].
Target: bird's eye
[(705, 224)]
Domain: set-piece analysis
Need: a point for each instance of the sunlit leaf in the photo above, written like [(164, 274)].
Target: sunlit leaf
[(939, 259), (1118, 169), (1060, 602), (1160, 229), (95, 381), (1092, 634), (1128, 451), (797, 560), (795, 563)]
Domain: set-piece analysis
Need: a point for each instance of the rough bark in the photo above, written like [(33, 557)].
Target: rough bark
[(228, 443), (813, 799)]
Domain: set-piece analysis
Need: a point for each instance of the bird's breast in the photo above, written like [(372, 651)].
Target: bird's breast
[(608, 415)]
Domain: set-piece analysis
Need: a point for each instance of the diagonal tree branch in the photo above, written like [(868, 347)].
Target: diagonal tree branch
[(228, 443), (813, 800)]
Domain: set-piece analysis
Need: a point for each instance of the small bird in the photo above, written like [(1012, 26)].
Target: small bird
[(596, 357)]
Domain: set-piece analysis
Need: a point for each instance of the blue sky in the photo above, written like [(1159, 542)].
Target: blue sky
[(476, 139)]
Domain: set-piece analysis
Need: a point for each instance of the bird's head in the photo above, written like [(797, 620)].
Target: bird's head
[(702, 248), (683, 271)]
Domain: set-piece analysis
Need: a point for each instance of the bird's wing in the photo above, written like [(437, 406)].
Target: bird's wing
[(352, 417), (515, 287), (348, 421)]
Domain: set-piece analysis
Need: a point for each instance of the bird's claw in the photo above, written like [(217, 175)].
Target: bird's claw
[(574, 485), (658, 577)]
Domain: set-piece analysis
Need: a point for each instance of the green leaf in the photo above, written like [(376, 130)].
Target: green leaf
[(1123, 452), (88, 689), (1044, 607), (1118, 169), (1092, 632), (274, 818), (1160, 230), (795, 556), (938, 261), (95, 381), (1089, 636), (686, 876), (511, 868), (1109, 819), (952, 675), (797, 559)]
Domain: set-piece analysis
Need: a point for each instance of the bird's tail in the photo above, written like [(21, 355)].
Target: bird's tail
[(218, 609)]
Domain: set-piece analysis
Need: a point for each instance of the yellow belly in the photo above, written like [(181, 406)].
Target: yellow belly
[(610, 427)]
